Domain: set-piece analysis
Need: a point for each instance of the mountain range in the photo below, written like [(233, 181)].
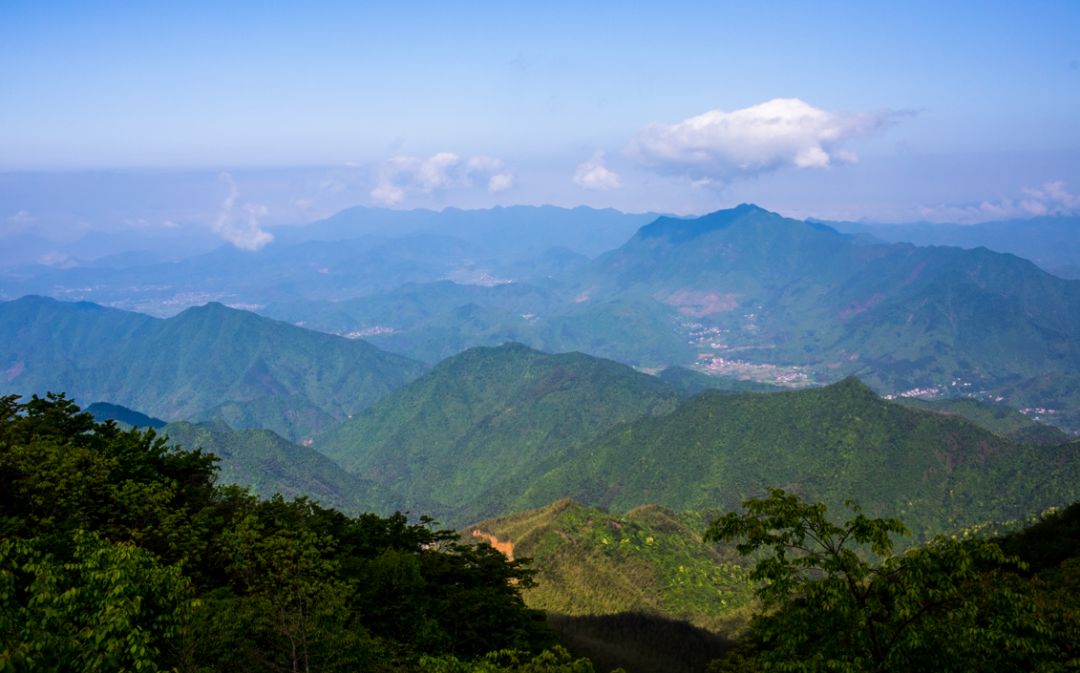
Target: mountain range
[(496, 430), (205, 363), (1051, 241), (465, 439)]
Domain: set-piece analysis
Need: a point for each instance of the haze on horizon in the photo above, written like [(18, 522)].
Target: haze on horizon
[(118, 118)]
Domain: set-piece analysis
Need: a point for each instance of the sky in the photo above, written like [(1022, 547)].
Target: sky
[(286, 111)]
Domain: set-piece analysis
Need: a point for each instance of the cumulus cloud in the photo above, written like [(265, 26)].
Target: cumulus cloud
[(402, 175), (593, 174), (239, 225), (720, 145), (1053, 198)]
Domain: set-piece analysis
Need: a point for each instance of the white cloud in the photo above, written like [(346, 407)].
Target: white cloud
[(241, 228), (500, 182), (1053, 198), (402, 175), (720, 145), (593, 174), (17, 223)]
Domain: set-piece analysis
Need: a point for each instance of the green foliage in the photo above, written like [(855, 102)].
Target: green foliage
[(838, 599), (269, 464), (119, 553), (938, 472), (556, 660), (466, 438), (590, 562), (111, 607), (996, 418)]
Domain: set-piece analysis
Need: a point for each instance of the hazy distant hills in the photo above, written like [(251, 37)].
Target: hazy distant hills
[(463, 440), (356, 252), (743, 292), (1052, 242), (206, 362), (507, 233), (750, 294), (799, 292)]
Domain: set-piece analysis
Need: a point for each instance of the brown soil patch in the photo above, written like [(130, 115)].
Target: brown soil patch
[(505, 548)]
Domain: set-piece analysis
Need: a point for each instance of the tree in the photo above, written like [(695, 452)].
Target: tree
[(555, 660), (112, 607), (837, 598)]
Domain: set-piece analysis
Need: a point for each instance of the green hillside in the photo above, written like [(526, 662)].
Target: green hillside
[(464, 439), (937, 472), (996, 418), (752, 295), (591, 562), (268, 464), (765, 289), (206, 362)]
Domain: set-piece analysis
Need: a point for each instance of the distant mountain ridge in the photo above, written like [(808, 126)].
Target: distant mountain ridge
[(206, 362), (104, 411), (742, 292), (1051, 241)]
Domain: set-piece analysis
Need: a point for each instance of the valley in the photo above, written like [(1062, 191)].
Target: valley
[(590, 416)]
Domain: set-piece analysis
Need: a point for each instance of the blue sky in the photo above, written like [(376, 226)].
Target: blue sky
[(920, 107)]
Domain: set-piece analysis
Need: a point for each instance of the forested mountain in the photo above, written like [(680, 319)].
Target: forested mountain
[(496, 430), (268, 464), (207, 362), (996, 418), (804, 294), (748, 293), (938, 472), (742, 292), (461, 441)]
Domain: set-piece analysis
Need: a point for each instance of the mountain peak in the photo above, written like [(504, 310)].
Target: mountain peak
[(852, 386), (680, 230)]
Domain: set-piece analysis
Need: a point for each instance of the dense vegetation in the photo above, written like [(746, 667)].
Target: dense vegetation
[(465, 439), (938, 472), (650, 560), (836, 597), (118, 552), (208, 362), (268, 464), (996, 418)]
